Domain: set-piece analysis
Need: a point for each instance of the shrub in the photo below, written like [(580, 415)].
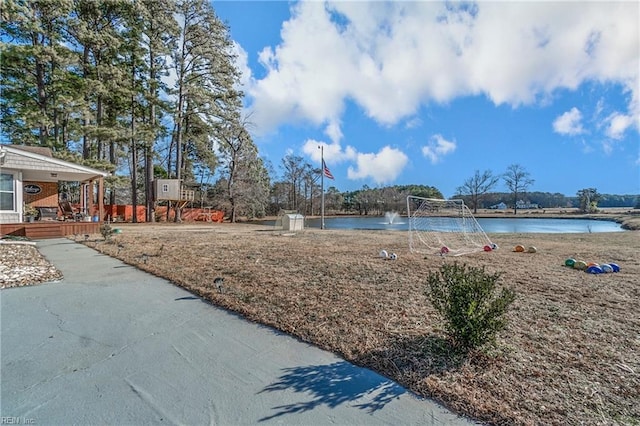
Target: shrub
[(106, 231), (466, 299)]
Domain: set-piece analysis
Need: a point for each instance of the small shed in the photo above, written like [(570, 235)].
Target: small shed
[(292, 222)]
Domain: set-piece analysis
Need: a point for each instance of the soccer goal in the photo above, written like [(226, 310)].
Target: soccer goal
[(444, 227)]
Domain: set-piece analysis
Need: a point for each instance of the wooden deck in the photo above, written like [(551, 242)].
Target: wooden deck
[(49, 229)]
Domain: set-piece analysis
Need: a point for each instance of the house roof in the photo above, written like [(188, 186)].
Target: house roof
[(37, 164), (42, 150)]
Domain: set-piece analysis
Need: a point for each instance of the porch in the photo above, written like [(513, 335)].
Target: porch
[(30, 187), (49, 229)]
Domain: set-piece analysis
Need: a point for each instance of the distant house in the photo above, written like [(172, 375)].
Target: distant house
[(29, 178), (499, 206), (526, 205)]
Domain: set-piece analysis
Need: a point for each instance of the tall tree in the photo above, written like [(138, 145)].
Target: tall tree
[(160, 31), (34, 60), (294, 169), (242, 169), (310, 188), (588, 199), (518, 181), (279, 197), (206, 78), (98, 36), (477, 186)]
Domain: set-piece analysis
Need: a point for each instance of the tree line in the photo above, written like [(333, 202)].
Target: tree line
[(143, 89), (477, 192)]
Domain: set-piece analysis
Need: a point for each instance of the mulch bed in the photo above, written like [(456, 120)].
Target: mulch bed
[(21, 264)]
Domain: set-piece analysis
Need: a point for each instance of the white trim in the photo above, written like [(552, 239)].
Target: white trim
[(17, 195)]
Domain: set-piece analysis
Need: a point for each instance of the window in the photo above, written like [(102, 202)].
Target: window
[(7, 192)]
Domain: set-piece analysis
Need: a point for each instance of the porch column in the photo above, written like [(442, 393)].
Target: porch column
[(101, 198), (90, 197)]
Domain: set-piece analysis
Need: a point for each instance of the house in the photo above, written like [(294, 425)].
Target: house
[(499, 206), (29, 179), (521, 204)]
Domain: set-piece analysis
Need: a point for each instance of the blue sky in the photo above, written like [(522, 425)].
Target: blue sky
[(428, 92)]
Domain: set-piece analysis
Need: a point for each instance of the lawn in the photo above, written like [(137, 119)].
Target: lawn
[(569, 355)]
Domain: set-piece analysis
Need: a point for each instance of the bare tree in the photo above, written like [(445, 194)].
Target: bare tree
[(517, 180), (246, 176), (478, 185)]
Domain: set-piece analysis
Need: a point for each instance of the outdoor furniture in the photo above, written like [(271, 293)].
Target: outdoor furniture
[(68, 212), (47, 213)]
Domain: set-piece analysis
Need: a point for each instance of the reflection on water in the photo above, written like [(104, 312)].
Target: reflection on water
[(489, 225)]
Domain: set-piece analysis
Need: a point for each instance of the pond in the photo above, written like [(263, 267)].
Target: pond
[(489, 225)]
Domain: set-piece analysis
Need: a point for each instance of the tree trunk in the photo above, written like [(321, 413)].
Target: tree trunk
[(148, 155), (85, 121), (134, 149)]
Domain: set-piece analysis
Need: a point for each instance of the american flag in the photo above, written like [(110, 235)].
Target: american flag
[(326, 171)]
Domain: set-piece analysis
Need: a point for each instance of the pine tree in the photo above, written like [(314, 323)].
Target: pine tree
[(34, 80), (160, 31), (205, 86)]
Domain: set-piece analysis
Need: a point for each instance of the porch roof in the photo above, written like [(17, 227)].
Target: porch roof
[(38, 165)]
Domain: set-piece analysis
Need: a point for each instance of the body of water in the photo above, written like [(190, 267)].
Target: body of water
[(489, 225)]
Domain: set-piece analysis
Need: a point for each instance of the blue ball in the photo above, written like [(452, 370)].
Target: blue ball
[(606, 268), (594, 270), (615, 267)]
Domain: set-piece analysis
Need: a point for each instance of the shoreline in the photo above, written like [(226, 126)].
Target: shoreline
[(629, 220)]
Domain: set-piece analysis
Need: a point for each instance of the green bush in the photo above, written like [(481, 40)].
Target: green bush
[(466, 299)]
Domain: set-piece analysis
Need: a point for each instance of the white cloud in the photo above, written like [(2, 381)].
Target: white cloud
[(413, 123), (241, 63), (383, 167), (437, 148), (618, 124), (569, 123), (333, 131), (333, 153), (392, 57)]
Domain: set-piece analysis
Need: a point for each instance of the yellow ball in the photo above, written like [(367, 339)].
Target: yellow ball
[(532, 249), (580, 264)]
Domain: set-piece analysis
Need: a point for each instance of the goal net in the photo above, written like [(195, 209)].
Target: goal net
[(444, 227)]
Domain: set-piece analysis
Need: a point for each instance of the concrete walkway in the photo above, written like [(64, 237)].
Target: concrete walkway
[(110, 344)]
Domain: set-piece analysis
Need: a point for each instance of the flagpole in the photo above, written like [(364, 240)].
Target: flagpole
[(322, 186)]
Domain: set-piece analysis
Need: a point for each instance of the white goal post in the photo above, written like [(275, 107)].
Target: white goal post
[(444, 227)]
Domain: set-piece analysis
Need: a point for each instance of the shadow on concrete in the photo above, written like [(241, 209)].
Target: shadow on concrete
[(333, 385), (401, 359)]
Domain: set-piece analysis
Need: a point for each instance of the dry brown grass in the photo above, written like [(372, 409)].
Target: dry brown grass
[(570, 354)]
